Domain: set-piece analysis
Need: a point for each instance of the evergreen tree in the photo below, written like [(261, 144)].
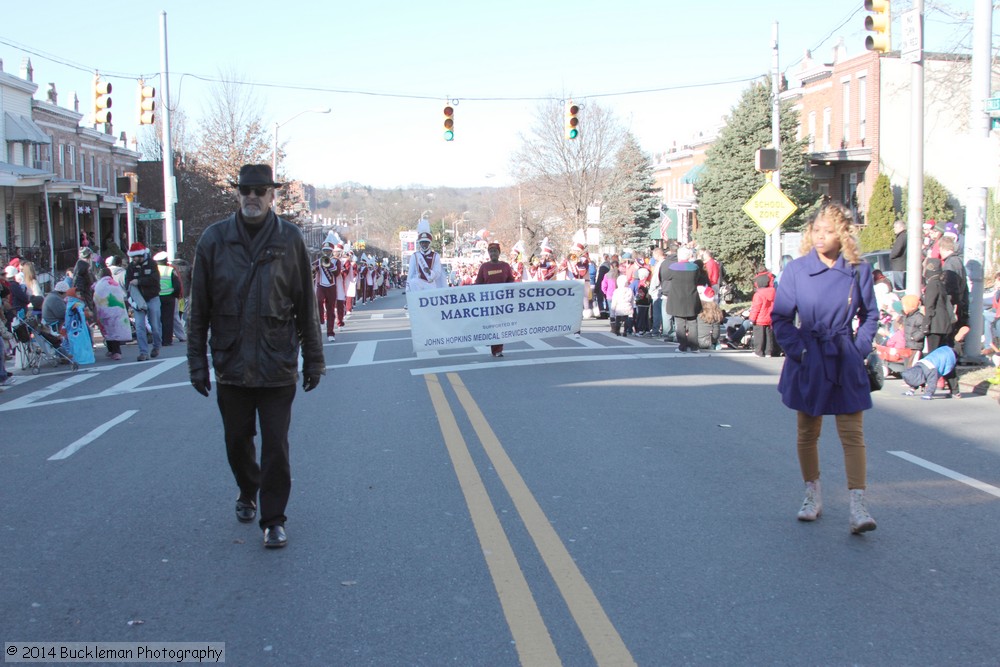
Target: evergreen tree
[(632, 203), (730, 180), (936, 200), (878, 233)]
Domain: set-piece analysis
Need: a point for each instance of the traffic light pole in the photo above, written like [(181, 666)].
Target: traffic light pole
[(169, 186), (976, 197)]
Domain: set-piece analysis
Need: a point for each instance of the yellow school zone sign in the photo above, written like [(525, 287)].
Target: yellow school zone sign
[(769, 208)]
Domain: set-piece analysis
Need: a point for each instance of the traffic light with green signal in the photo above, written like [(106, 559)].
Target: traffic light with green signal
[(878, 24), (449, 123), (102, 101), (147, 104), (572, 120)]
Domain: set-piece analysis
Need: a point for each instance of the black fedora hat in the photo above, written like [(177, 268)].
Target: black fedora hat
[(256, 174)]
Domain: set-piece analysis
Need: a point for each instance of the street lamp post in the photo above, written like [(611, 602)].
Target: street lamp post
[(274, 149)]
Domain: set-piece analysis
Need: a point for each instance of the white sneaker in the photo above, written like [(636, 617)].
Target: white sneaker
[(861, 520), (812, 506), (8, 381), (331, 339)]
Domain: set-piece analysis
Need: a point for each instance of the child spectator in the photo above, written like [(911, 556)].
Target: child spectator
[(925, 373), (622, 305), (760, 315), (642, 305), (913, 326)]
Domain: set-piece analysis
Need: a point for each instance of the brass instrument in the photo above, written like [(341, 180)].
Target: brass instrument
[(325, 261)]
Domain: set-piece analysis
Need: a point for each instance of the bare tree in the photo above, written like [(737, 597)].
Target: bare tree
[(560, 178), (149, 138), (233, 132)]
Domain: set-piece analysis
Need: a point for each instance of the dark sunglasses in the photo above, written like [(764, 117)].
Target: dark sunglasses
[(260, 190)]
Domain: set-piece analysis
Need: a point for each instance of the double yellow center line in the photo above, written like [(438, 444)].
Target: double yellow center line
[(531, 636)]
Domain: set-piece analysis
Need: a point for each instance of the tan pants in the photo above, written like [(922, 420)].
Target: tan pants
[(851, 431)]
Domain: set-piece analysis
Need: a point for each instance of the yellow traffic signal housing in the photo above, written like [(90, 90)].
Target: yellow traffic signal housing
[(449, 123), (572, 120), (147, 104), (878, 24), (102, 101)]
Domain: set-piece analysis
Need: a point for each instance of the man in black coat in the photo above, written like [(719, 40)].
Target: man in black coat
[(251, 286), (680, 285), (897, 256), (602, 300)]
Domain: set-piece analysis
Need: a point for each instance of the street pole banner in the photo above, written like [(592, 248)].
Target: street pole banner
[(494, 314)]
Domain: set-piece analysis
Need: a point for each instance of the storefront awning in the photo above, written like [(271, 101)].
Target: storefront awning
[(692, 174), (19, 128)]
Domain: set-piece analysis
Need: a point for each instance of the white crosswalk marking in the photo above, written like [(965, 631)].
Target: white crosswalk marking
[(68, 451), (36, 396), (364, 353)]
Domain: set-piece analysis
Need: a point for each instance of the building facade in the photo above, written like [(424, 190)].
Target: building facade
[(58, 178)]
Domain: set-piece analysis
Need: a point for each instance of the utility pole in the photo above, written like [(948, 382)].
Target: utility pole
[(775, 238), (915, 205), (975, 206)]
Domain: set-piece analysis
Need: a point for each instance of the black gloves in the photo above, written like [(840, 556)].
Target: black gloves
[(201, 382), (309, 381)]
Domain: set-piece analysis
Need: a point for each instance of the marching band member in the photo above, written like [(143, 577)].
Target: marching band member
[(426, 269), (578, 268), (370, 279), (340, 281), (546, 269), (494, 271), (350, 273), (517, 261), (325, 270)]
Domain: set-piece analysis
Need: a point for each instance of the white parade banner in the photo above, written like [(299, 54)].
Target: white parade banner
[(494, 314)]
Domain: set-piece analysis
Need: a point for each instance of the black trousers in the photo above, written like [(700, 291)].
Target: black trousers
[(763, 340), (167, 304), (241, 407), (687, 333)]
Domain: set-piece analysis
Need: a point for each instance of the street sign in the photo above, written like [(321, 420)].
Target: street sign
[(993, 104), (769, 207), (911, 49), (152, 215)]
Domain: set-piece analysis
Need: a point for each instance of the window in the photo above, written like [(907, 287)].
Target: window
[(62, 168), (827, 120), (93, 170), (862, 115), (812, 131), (846, 126)]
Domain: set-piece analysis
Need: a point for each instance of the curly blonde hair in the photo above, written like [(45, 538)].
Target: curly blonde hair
[(847, 231)]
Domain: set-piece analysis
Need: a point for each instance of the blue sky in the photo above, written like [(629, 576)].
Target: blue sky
[(405, 59)]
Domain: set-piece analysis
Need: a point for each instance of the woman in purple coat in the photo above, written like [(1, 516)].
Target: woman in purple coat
[(824, 370)]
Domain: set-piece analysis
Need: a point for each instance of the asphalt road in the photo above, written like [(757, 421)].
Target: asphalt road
[(582, 501)]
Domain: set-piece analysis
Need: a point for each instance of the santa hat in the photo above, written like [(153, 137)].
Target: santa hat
[(136, 250), (424, 230), (546, 247)]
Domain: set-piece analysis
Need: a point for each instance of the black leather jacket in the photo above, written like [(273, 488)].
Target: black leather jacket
[(256, 298)]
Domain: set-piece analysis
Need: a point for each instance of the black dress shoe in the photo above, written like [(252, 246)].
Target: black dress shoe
[(274, 537), (246, 510)]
